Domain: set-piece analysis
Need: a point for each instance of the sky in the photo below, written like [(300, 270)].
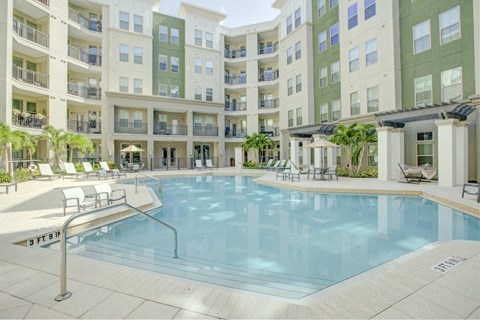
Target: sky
[(239, 12)]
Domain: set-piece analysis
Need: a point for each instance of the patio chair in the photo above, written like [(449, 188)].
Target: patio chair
[(87, 166), (102, 174), (282, 171), (105, 166), (472, 189), (136, 167), (46, 171), (117, 173), (330, 172), (75, 197), (281, 166), (417, 174), (294, 173), (269, 163), (71, 171), (105, 192), (199, 165), (209, 164), (275, 165)]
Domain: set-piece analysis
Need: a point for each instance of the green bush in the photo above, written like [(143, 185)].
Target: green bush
[(343, 172), (112, 165), (5, 177), (96, 166), (249, 165), (79, 167), (22, 175), (369, 173)]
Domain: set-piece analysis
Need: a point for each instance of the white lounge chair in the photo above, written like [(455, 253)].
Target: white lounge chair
[(87, 166), (268, 165), (46, 171), (75, 197), (105, 166), (209, 164), (275, 165), (117, 173), (102, 173), (105, 192), (198, 164), (71, 171)]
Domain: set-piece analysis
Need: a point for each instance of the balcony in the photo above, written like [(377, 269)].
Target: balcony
[(208, 131), (269, 75), (235, 106), (269, 103), (30, 34), (44, 2), (230, 133), (30, 77), (235, 54), (28, 120), (83, 21), (83, 56), (270, 131), (170, 129), (86, 127), (268, 49), (136, 127), (84, 91), (236, 79)]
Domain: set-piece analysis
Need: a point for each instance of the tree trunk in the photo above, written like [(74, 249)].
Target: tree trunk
[(9, 160), (360, 158)]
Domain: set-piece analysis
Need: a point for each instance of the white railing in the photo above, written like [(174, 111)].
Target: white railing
[(84, 21), (29, 33), (81, 55), (30, 77)]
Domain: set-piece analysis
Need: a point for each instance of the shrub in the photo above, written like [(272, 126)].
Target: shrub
[(96, 166), (79, 167), (22, 174), (343, 172), (5, 177), (249, 165), (112, 165), (369, 173)]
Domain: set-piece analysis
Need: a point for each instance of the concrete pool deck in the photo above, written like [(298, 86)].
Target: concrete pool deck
[(406, 287)]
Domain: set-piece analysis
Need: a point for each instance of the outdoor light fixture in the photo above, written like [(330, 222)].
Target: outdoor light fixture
[(150, 152), (109, 152), (221, 152)]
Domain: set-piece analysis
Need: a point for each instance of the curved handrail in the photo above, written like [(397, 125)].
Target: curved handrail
[(64, 294), (146, 175)]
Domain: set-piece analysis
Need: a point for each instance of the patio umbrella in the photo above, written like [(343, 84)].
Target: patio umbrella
[(322, 143), (131, 148)]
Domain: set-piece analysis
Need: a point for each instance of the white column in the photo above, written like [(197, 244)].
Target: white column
[(295, 150), (461, 152), (331, 157), (306, 153), (398, 152), (238, 158), (391, 151), (317, 152), (446, 152)]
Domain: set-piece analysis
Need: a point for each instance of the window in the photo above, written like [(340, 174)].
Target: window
[(174, 36), (323, 77), (124, 24), (322, 7), (198, 65), (354, 103), (31, 107), (424, 148), (423, 90), (298, 50), (450, 25), (124, 53), (162, 89), (137, 86), (137, 23), (17, 104), (209, 94), (333, 4), (298, 17), (372, 155), (298, 87), (137, 119), (353, 58), (123, 84), (290, 118), (138, 55), (352, 16), (163, 33), (335, 72), (324, 112), (209, 68), (338, 152), (322, 41), (174, 91), (372, 99), (334, 34), (289, 24), (370, 9), (299, 116), (174, 64), (289, 56), (198, 93), (290, 86), (336, 112), (371, 55), (162, 62), (198, 37), (452, 84), (123, 119), (209, 39), (421, 37)]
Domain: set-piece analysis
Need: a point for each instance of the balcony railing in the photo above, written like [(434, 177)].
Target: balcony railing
[(136, 127), (268, 49), (209, 131), (230, 133), (29, 33), (85, 126), (269, 75), (235, 106), (44, 2), (81, 55), (235, 54), (84, 91), (170, 129), (27, 120), (84, 21), (236, 79), (269, 103), (269, 131), (30, 77)]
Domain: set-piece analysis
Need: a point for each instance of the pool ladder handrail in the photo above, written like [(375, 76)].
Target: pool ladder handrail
[(145, 175), (64, 294)]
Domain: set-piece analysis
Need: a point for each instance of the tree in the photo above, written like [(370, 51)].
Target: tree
[(58, 139), (29, 143), (366, 133), (9, 138), (346, 137), (80, 142), (257, 142)]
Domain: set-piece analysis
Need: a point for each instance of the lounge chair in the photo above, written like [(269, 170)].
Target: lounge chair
[(117, 173), (269, 164), (71, 171), (105, 192), (275, 165), (87, 166), (46, 171), (199, 165), (209, 164), (281, 166), (75, 197), (472, 189), (293, 174), (102, 173), (105, 166), (417, 174), (282, 171)]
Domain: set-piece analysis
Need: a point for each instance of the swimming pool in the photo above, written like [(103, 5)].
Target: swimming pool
[(237, 233)]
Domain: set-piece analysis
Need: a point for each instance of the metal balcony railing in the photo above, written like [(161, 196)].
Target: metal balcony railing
[(84, 91), (27, 120), (30, 77), (170, 129), (236, 79), (269, 75), (81, 55), (270, 131), (269, 103), (84, 21), (209, 131), (268, 49), (44, 2), (85, 126), (136, 127), (29, 33), (230, 133), (235, 106), (235, 54)]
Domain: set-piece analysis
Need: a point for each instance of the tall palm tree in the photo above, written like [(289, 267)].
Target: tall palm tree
[(9, 141), (257, 141), (58, 139), (80, 142), (366, 133), (29, 143)]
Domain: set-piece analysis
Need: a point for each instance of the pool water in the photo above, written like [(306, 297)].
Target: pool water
[(237, 233)]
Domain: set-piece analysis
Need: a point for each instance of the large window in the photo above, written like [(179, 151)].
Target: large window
[(209, 94), (299, 116), (324, 112), (424, 148), (371, 55), (322, 41), (298, 79), (138, 55), (450, 25), (124, 18), (336, 110), (370, 9), (289, 24), (298, 50), (452, 84), (174, 91), (123, 84), (209, 68), (174, 67), (372, 99), (198, 65), (334, 34), (421, 37), (198, 37), (123, 52), (162, 89), (163, 34), (209, 39), (137, 86), (137, 119), (289, 55), (354, 62), (174, 36), (423, 91), (137, 23), (352, 16), (323, 77), (372, 152), (333, 4), (198, 93), (298, 17), (290, 118), (162, 62), (335, 72), (290, 86), (354, 103), (322, 7)]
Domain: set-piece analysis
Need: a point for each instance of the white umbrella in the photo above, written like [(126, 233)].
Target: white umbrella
[(131, 148), (322, 143)]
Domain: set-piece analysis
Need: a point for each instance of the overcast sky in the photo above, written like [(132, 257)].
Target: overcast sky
[(239, 12)]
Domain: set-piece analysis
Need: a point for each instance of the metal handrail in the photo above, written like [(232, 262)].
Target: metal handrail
[(145, 175), (64, 294)]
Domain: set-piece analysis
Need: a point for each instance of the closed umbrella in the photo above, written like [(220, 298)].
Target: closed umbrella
[(131, 148)]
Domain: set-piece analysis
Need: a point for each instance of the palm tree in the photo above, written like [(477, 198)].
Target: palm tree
[(366, 133), (29, 143), (80, 142), (347, 138), (58, 139), (257, 142), (8, 138)]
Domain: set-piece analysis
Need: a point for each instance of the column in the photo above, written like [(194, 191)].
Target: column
[(461, 148), (150, 153), (317, 152), (447, 157), (331, 157), (306, 154), (238, 158), (295, 150), (398, 152), (391, 151)]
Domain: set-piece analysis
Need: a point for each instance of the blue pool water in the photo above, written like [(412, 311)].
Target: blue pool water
[(237, 233)]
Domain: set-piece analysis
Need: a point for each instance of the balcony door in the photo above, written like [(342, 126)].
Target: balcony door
[(201, 151)]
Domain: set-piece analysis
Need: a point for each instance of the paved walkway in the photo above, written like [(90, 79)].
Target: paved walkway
[(406, 287)]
